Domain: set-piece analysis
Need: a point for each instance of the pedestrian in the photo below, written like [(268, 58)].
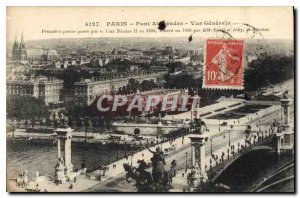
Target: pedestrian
[(37, 187), (172, 172), (75, 178)]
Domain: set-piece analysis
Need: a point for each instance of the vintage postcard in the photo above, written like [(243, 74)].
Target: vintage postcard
[(150, 99)]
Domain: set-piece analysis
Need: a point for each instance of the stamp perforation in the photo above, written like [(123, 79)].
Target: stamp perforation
[(224, 85)]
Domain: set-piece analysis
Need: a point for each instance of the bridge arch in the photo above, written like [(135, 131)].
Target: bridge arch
[(237, 156)]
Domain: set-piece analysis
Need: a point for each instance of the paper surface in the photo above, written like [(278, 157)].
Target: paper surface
[(150, 99)]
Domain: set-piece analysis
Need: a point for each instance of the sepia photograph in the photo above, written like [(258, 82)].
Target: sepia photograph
[(150, 99)]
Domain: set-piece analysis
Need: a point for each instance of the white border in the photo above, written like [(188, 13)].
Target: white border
[(5, 3)]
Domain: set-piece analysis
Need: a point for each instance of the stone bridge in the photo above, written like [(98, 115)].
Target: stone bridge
[(264, 143)]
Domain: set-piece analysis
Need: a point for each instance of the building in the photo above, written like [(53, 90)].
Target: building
[(19, 52), (87, 90), (38, 56), (46, 89), (168, 94)]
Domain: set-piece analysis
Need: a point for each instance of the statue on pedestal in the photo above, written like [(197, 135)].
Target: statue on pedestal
[(143, 178), (59, 176), (144, 181), (158, 165), (194, 179)]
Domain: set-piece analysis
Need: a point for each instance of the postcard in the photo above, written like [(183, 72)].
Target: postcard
[(150, 99)]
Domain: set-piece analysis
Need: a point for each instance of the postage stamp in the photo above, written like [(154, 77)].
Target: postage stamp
[(182, 100), (223, 64)]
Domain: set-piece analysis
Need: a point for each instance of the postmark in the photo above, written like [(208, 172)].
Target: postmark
[(223, 64)]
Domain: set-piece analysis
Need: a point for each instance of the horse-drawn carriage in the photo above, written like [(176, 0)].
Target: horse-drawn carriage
[(170, 149)]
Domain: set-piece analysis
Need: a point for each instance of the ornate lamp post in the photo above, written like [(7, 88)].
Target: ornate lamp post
[(131, 158), (100, 168), (211, 145), (228, 152), (186, 161), (229, 139)]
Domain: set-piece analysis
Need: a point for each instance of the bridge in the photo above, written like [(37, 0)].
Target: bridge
[(209, 155), (202, 158), (207, 168), (264, 143)]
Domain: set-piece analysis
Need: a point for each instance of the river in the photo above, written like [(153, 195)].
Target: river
[(23, 155), (252, 169), (241, 176)]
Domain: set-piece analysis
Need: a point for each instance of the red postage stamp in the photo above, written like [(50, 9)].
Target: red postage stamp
[(223, 64)]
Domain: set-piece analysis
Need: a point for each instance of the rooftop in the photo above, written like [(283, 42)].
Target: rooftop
[(34, 80)]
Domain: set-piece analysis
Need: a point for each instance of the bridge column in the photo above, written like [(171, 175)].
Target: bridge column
[(278, 141), (198, 142), (285, 133), (58, 149), (193, 155), (64, 167), (201, 161), (68, 162), (286, 112)]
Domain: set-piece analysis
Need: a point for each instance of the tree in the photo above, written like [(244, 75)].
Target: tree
[(76, 111), (70, 123), (86, 125), (148, 85), (122, 65), (48, 122), (55, 123), (29, 108), (182, 81), (268, 70), (173, 67), (136, 131), (133, 85), (145, 67), (78, 123), (94, 123), (101, 122)]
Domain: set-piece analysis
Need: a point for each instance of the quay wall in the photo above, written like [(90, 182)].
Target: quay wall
[(145, 129)]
